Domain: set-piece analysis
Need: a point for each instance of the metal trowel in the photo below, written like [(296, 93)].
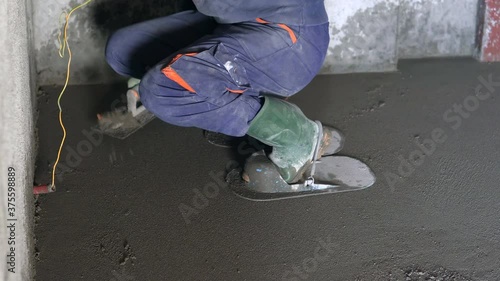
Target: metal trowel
[(123, 121)]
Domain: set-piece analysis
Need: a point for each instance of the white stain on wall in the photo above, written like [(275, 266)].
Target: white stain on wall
[(339, 12), (436, 28), (365, 36), (362, 36)]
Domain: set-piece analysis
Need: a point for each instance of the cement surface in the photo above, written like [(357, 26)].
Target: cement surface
[(17, 142), (116, 215)]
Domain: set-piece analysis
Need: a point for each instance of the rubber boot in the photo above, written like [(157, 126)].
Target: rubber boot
[(292, 135)]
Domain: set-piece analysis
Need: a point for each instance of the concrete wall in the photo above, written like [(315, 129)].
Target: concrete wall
[(371, 35), (17, 145), (436, 28), (89, 29), (366, 35), (363, 36)]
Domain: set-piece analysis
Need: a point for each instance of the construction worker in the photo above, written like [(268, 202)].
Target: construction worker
[(227, 67)]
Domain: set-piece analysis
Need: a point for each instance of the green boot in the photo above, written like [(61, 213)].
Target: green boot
[(293, 136), (133, 83)]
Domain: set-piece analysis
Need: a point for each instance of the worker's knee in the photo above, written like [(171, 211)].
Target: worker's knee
[(148, 91), (161, 96), (116, 54)]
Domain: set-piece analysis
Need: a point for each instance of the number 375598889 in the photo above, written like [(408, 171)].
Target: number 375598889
[(11, 181)]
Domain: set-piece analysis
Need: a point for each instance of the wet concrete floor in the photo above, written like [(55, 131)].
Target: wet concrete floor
[(132, 210)]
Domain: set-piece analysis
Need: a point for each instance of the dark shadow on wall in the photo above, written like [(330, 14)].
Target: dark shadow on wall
[(110, 15), (133, 51), (481, 12)]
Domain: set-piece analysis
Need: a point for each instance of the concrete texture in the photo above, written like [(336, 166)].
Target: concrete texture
[(88, 33), (134, 209), (362, 36), (437, 28), (366, 35), (17, 141)]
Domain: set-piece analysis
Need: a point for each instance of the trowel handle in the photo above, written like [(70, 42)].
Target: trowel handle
[(133, 99)]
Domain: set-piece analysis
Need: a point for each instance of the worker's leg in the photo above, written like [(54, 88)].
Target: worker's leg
[(212, 108), (288, 61), (132, 50), (214, 83)]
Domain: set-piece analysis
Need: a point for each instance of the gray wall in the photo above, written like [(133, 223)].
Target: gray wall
[(88, 31), (371, 35), (17, 144), (363, 36), (366, 35), (437, 28)]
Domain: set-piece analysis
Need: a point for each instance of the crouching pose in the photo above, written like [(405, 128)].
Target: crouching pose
[(227, 68)]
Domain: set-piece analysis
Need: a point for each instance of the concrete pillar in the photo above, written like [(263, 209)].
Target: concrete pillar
[(17, 151), (488, 38)]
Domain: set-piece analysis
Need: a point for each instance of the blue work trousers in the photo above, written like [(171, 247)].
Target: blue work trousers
[(196, 72)]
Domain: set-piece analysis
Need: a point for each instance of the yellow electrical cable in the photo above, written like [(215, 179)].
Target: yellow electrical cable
[(62, 46)]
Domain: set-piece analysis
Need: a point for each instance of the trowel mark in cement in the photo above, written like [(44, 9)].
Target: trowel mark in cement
[(415, 273), (440, 274), (361, 112), (113, 155), (127, 254)]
